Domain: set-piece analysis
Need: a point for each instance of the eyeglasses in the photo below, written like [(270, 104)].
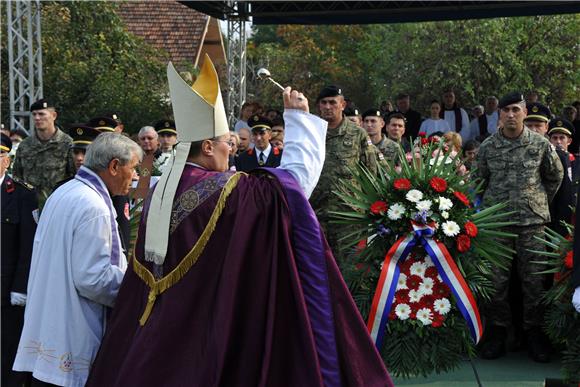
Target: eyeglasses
[(229, 143)]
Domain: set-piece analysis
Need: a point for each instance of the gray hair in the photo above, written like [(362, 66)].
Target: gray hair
[(109, 146), (146, 129)]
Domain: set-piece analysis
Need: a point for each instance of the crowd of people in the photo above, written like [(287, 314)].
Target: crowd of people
[(523, 154)]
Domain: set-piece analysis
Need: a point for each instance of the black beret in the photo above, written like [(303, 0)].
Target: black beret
[(329, 91), (165, 127), (511, 98), (561, 125), (538, 112), (103, 124), (350, 111), (259, 124), (82, 135), (41, 104), (372, 112), (6, 145)]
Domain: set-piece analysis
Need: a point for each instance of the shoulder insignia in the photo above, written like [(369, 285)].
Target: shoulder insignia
[(381, 157), (369, 142), (250, 151), (10, 186), (571, 157), (26, 185), (552, 148), (276, 151)]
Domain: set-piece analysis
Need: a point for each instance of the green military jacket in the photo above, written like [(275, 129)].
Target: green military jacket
[(44, 164), (346, 146), (524, 172), (389, 149)]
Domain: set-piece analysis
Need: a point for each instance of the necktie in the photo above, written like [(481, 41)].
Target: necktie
[(261, 160)]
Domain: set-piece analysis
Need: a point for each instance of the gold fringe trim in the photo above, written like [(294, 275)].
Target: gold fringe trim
[(158, 287)]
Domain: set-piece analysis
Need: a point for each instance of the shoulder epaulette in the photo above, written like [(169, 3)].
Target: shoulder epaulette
[(26, 185)]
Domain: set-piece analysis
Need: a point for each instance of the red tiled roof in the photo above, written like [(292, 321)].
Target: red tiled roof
[(167, 25)]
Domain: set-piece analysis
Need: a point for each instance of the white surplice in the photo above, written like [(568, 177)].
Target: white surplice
[(72, 283)]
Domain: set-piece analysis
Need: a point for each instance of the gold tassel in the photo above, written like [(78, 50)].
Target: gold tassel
[(158, 287)]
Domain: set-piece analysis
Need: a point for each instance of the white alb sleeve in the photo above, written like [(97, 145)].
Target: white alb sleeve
[(304, 147)]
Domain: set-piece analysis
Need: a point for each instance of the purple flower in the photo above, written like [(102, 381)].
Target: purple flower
[(382, 230)]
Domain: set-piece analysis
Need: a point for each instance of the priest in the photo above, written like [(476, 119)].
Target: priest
[(232, 282)]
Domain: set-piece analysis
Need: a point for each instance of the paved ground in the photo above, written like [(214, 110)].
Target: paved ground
[(513, 370)]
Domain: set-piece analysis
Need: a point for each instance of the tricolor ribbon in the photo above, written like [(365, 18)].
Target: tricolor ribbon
[(448, 270)]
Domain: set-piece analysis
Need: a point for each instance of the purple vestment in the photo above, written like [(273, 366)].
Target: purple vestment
[(264, 305)]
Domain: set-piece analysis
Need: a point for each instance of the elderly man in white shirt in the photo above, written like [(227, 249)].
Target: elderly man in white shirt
[(77, 266)]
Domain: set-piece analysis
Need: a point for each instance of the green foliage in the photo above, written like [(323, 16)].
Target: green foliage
[(92, 65), (477, 57)]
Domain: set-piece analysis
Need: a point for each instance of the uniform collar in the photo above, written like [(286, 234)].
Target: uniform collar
[(524, 138), (265, 151), (57, 137)]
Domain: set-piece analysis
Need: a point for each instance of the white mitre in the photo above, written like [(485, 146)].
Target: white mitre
[(199, 115)]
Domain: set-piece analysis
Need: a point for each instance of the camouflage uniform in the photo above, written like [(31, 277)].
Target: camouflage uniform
[(44, 164), (389, 149), (525, 173), (346, 146)]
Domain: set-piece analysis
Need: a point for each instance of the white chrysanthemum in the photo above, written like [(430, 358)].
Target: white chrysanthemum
[(414, 295), (442, 306), (444, 203), (428, 261), (396, 211), (414, 195), (403, 311), (425, 316), (450, 228), (424, 205), (418, 268), (402, 282), (426, 286), (445, 215)]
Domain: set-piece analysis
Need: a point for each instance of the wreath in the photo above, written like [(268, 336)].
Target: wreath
[(423, 257)]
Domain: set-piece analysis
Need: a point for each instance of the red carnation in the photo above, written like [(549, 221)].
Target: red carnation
[(441, 290), (569, 260), (437, 320), (379, 207), (424, 141), (422, 134), (438, 184), (557, 277), (427, 301), (363, 266), (361, 245), (392, 314), (431, 272), (434, 140), (402, 296), (402, 184), (463, 243), (462, 198), (414, 281), (470, 229), (406, 266)]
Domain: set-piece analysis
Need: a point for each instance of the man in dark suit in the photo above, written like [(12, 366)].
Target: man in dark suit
[(263, 154), (18, 226)]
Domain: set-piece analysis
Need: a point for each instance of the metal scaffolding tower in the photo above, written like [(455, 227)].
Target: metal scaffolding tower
[(24, 60), (236, 57)]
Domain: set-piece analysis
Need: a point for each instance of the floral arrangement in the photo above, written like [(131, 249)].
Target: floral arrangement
[(423, 258), (562, 322)]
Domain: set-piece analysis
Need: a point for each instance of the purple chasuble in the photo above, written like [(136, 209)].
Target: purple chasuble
[(264, 305)]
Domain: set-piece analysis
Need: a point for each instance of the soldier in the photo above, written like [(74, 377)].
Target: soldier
[(103, 124), (19, 203), (373, 123), (44, 158), (347, 145), (353, 114), (521, 168), (263, 154), (396, 130)]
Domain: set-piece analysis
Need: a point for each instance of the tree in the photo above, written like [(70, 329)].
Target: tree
[(92, 65), (477, 57)]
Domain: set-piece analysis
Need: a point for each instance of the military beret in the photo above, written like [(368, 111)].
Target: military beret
[(103, 124), (350, 111), (41, 104), (6, 145), (329, 91), (561, 125), (165, 127), (511, 98), (538, 112), (259, 124), (372, 112), (82, 135)]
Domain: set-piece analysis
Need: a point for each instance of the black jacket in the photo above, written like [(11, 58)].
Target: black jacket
[(248, 160), (18, 228)]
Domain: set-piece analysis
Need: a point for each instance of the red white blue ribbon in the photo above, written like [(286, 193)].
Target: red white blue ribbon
[(448, 270)]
